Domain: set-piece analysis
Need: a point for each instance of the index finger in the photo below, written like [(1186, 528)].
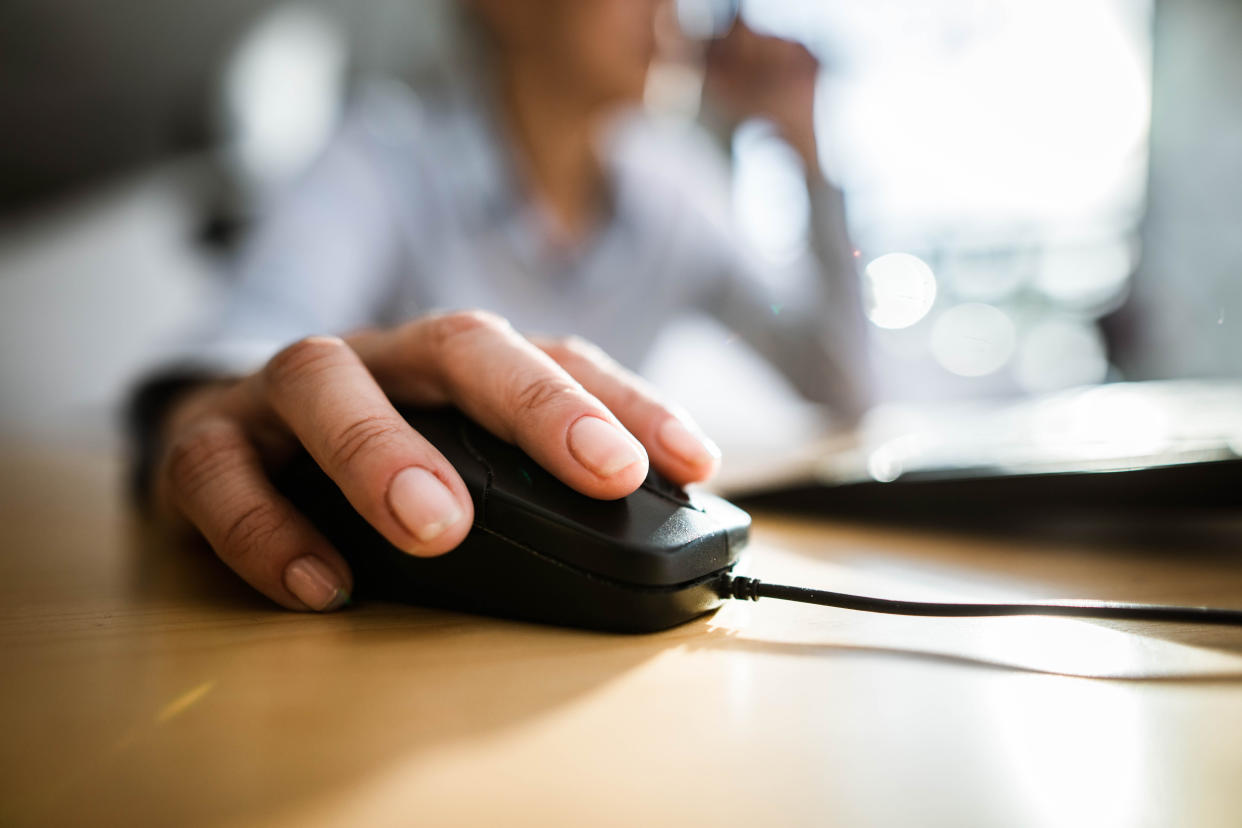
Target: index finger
[(478, 362), (390, 474)]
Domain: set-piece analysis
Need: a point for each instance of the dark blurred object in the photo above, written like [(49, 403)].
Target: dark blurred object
[(88, 89)]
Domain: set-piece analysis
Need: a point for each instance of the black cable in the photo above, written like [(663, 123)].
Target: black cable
[(737, 586)]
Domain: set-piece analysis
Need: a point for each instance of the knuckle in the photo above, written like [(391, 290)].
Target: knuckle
[(251, 531), (363, 436), (561, 349), (631, 397), (584, 348), (539, 394), (576, 351), (302, 358), (197, 455), (450, 326)]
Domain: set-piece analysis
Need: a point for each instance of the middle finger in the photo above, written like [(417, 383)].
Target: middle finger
[(477, 361)]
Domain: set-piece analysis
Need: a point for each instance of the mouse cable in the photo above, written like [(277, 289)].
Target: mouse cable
[(752, 589)]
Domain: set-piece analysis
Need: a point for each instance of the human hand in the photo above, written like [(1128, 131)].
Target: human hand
[(749, 75), (571, 408)]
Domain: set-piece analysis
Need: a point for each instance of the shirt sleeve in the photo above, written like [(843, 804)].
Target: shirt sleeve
[(809, 321)]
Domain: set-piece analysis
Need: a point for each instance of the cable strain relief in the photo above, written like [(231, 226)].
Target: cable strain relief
[(738, 586)]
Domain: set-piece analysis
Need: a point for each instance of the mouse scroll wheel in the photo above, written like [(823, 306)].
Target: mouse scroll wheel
[(661, 485)]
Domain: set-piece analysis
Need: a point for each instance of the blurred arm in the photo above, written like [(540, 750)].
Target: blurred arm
[(812, 327)]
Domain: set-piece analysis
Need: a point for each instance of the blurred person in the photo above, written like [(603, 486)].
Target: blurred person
[(533, 192)]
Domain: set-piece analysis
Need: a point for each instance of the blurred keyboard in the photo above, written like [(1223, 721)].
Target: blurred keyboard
[(1125, 446)]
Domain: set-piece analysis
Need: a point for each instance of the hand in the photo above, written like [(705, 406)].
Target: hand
[(748, 75), (574, 410)]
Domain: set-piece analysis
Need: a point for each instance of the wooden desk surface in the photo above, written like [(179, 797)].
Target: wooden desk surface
[(144, 686)]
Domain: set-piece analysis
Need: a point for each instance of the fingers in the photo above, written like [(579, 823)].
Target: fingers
[(213, 476), (575, 411), (678, 449), (758, 61), (478, 362), (394, 478)]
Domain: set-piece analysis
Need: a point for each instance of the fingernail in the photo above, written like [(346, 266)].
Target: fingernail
[(422, 503), (315, 584), (602, 447), (696, 449)]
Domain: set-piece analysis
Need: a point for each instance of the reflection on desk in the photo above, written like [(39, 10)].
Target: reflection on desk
[(144, 685)]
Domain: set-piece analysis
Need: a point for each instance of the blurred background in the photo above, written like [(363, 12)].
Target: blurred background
[(1043, 193)]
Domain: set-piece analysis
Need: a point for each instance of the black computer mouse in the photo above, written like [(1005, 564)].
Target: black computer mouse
[(539, 550)]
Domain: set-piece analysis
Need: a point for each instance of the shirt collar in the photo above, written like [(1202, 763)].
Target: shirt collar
[(480, 168)]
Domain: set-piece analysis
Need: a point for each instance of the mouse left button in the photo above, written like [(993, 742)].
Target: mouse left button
[(446, 429)]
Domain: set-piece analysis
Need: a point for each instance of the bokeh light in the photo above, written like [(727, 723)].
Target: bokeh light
[(282, 91), (1059, 353), (973, 339), (1085, 277), (899, 290), (991, 275)]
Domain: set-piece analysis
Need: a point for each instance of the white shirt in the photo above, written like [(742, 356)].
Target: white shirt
[(416, 206)]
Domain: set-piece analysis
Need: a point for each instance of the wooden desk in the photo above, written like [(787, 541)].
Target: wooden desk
[(144, 686)]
